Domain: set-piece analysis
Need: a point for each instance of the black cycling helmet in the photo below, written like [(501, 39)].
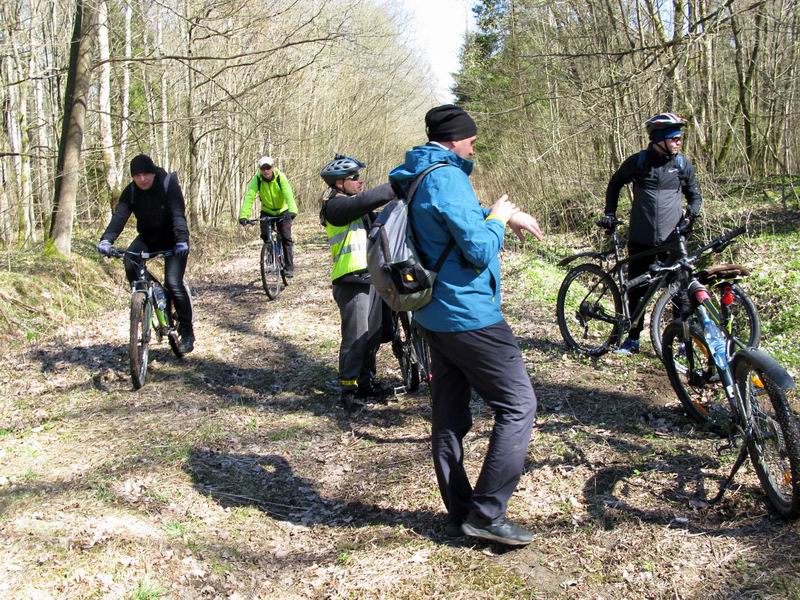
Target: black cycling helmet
[(663, 121), (340, 167)]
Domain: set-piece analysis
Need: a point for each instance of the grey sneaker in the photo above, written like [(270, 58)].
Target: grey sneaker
[(628, 347), (500, 530)]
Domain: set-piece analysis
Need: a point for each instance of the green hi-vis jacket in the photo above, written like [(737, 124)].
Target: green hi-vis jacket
[(276, 195), (348, 245)]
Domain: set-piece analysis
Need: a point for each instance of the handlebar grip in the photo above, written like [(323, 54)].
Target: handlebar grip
[(726, 239)]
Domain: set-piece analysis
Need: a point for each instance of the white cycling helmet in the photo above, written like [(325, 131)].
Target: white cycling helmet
[(663, 121), (339, 168), (265, 161)]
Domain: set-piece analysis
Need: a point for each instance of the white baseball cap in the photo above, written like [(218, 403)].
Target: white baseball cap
[(265, 161)]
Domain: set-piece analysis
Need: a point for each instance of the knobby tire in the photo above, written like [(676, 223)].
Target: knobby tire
[(404, 352), (775, 444), (139, 343), (588, 309), (270, 272)]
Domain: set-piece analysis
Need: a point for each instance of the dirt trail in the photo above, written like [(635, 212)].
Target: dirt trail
[(233, 474)]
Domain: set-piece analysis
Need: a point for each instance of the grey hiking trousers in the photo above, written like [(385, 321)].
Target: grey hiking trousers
[(361, 311)]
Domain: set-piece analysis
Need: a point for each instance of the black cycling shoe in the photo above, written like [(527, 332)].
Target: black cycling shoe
[(186, 343), (289, 274), (500, 530)]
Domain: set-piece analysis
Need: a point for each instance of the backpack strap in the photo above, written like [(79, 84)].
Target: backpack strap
[(168, 180), (410, 196), (679, 160)]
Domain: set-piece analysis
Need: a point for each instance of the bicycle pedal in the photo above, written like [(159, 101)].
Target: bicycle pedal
[(399, 390)]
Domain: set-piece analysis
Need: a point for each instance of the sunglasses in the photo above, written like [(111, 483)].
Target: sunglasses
[(677, 138), (353, 177), (266, 167)]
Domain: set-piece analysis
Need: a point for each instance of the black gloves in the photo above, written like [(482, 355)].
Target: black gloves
[(608, 220), (105, 247), (181, 249), (242, 221), (686, 223)]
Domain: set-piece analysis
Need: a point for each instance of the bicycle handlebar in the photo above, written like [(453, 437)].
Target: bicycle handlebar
[(267, 218), (145, 255), (716, 246)]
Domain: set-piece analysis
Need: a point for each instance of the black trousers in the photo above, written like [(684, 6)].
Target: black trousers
[(636, 267), (174, 269), (287, 243), (488, 360)]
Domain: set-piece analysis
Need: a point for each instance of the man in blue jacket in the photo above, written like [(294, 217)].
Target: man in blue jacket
[(471, 344)]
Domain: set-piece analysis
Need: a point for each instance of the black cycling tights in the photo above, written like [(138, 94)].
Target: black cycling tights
[(174, 268)]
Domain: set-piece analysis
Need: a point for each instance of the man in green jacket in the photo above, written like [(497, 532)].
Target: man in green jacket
[(277, 198)]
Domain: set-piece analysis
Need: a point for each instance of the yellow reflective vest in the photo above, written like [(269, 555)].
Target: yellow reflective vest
[(348, 245)]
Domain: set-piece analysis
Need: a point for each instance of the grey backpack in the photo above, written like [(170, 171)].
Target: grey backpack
[(393, 262)]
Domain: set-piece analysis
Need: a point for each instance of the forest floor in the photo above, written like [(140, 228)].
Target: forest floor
[(234, 474)]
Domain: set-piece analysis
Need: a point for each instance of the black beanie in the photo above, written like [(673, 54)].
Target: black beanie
[(142, 164), (448, 123)]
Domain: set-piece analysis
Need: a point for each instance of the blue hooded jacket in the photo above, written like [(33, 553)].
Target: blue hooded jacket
[(466, 295)]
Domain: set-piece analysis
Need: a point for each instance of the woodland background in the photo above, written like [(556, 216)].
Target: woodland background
[(560, 90)]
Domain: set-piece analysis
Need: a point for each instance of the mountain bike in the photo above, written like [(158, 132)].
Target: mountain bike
[(592, 306), (411, 351), (151, 304), (273, 272), (738, 392)]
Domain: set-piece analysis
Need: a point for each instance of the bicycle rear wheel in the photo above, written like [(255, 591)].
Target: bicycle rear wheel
[(404, 352), (139, 343), (588, 309), (775, 444), (693, 375), (422, 352), (270, 273), (740, 318)]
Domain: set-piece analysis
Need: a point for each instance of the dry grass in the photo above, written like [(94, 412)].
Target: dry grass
[(232, 474)]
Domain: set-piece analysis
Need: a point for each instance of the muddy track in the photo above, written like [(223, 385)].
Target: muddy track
[(234, 474)]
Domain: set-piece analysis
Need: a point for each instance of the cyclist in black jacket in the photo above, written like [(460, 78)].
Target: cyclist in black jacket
[(156, 200), (660, 175)]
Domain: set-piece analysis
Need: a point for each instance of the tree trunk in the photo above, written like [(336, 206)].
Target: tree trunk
[(106, 133), (71, 142)]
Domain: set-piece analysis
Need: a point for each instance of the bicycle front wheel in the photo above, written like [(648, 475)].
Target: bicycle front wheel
[(693, 375), (589, 308), (270, 272), (775, 443), (404, 352), (139, 343)]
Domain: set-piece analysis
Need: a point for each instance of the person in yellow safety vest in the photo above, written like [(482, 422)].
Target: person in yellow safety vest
[(276, 196), (346, 214)]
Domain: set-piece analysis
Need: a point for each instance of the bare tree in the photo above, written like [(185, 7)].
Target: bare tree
[(71, 144)]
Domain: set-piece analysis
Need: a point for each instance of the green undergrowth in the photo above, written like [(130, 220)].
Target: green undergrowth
[(41, 291), (771, 253)]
